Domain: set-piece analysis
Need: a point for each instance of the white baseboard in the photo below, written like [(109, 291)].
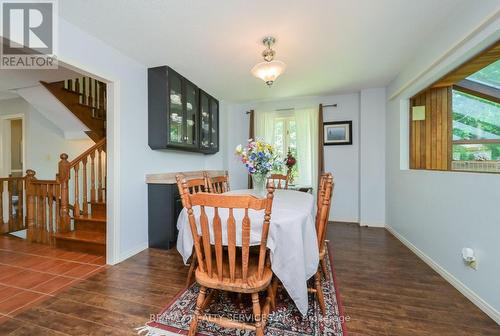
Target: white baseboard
[(356, 221), (461, 287), (378, 225), (132, 252), (344, 220)]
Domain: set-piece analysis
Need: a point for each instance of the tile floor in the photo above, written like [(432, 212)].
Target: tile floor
[(31, 273)]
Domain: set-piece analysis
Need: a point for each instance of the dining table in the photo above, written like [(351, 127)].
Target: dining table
[(292, 239)]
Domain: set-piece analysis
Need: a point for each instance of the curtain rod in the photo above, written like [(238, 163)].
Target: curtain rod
[(293, 108)]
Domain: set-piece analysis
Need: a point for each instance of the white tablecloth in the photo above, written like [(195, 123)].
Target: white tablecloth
[(292, 239)]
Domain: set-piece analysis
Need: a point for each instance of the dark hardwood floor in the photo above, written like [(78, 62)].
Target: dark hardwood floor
[(385, 288)]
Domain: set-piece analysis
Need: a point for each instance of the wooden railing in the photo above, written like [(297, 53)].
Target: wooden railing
[(50, 204), (83, 189), (43, 203), (92, 94), (12, 190)]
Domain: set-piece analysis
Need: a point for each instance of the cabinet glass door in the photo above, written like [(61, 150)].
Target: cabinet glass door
[(191, 113), (205, 121), (176, 114), (214, 125)]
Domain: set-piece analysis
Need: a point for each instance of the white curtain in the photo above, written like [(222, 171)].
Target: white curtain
[(264, 125), (306, 120), (307, 143)]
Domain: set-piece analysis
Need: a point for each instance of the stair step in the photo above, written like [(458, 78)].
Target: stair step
[(98, 209), (82, 241), (91, 223)]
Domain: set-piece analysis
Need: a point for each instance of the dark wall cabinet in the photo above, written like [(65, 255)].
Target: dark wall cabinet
[(181, 116), (209, 123), (164, 206)]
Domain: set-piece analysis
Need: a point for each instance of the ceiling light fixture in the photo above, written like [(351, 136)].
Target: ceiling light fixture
[(270, 69)]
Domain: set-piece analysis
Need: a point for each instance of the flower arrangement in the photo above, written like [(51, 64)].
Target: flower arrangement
[(257, 156), (290, 162)]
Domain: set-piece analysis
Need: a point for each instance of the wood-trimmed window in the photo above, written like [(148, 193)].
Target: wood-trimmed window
[(455, 123)]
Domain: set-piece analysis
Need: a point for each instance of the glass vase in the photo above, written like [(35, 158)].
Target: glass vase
[(259, 184)]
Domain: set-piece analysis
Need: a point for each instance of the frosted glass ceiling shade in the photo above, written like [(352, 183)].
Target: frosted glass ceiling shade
[(268, 71)]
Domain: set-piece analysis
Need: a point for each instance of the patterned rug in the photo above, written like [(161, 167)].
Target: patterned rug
[(286, 320)]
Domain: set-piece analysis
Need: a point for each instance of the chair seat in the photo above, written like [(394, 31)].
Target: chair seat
[(252, 285)]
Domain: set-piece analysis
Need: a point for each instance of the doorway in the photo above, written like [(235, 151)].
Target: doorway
[(12, 159)]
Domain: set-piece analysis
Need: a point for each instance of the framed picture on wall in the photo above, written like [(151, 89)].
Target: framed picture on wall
[(337, 133)]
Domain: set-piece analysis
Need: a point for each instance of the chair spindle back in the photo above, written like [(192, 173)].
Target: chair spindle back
[(206, 251), (325, 192), (197, 185), (280, 181), (218, 184)]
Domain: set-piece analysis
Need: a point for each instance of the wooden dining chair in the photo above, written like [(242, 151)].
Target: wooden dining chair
[(280, 181), (324, 195), (197, 185), (229, 268), (218, 184), (194, 185), (319, 200)]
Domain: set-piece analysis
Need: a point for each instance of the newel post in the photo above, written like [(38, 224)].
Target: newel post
[(63, 177), (30, 204)]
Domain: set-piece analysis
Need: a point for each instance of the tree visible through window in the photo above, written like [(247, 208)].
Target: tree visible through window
[(285, 138), (476, 128)]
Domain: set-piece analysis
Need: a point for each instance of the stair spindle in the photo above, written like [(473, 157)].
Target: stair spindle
[(85, 93), (95, 95), (77, 89), (105, 178), (99, 175), (92, 178), (39, 216), (30, 204), (43, 200), (50, 203), (20, 205), (10, 187), (84, 188), (57, 197), (76, 206), (92, 94), (1, 203)]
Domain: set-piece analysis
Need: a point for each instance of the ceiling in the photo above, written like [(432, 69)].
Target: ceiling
[(10, 80), (329, 46)]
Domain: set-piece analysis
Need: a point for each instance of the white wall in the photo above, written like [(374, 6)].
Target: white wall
[(343, 161), (372, 159), (439, 213), (44, 141), (130, 157)]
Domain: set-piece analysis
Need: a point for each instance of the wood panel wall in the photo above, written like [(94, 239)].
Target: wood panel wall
[(430, 139)]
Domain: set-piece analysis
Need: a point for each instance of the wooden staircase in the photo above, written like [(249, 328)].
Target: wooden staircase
[(89, 233), (70, 211), (85, 97)]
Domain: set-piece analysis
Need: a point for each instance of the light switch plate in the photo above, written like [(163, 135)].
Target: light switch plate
[(418, 113)]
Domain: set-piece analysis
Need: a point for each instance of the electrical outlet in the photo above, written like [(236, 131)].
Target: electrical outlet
[(472, 264)]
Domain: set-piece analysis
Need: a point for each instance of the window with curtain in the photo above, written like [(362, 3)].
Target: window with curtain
[(294, 129), (285, 136)]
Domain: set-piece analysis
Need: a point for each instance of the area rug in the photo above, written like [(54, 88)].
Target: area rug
[(286, 320)]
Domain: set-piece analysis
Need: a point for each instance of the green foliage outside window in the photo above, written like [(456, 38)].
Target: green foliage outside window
[(475, 118)]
